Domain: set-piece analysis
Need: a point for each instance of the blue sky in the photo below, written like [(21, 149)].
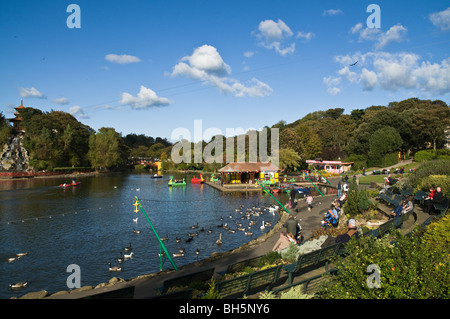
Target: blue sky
[(149, 67)]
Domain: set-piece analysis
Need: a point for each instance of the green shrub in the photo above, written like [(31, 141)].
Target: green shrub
[(410, 267), (425, 155), (434, 181)]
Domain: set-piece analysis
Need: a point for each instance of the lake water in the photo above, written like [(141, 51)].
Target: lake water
[(90, 225)]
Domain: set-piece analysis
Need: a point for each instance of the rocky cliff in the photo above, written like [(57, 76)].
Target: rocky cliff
[(13, 156)]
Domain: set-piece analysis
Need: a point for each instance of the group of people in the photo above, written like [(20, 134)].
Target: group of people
[(434, 197), (293, 234), (404, 207)]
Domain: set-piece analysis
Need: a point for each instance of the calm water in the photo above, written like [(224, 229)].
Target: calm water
[(91, 224)]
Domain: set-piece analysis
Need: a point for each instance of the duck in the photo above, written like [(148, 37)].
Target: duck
[(178, 239), (219, 241), (129, 255), (194, 226), (197, 252), (193, 234), (136, 231), (135, 220), (13, 259), (164, 238), (175, 255), (210, 230), (231, 231), (248, 233), (115, 268), (120, 259), (189, 239), (21, 284), (129, 248), (22, 254), (162, 254), (182, 250)]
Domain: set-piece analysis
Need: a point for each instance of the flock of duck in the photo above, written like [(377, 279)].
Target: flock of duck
[(21, 284), (248, 213)]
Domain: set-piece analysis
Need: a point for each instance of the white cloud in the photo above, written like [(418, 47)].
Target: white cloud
[(145, 99), (393, 72), (249, 54), (206, 65), (332, 12), (121, 59), (77, 111), (368, 79), (61, 101), (356, 28), (31, 93), (396, 33), (441, 19), (273, 34), (332, 82), (434, 77), (304, 35)]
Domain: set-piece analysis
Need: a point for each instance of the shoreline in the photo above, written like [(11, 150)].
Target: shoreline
[(116, 283)]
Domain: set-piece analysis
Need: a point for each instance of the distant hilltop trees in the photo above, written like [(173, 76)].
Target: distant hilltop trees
[(370, 137)]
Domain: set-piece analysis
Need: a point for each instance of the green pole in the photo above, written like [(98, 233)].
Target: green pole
[(161, 244), (273, 197), (314, 185), (323, 176)]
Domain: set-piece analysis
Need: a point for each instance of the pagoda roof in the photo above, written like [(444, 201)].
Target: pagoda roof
[(249, 167)]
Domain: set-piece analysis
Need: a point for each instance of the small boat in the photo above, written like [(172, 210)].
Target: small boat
[(70, 184), (196, 180), (176, 183), (157, 176)]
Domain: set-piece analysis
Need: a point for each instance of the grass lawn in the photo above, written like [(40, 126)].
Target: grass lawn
[(377, 178)]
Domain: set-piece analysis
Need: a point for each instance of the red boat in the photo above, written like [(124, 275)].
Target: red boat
[(196, 180), (70, 184)]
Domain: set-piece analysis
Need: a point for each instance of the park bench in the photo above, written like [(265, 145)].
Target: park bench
[(313, 258), (309, 285), (420, 195), (186, 280), (241, 285), (408, 191), (238, 266), (442, 207)]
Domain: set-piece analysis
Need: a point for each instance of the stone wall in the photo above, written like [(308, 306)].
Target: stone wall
[(13, 156)]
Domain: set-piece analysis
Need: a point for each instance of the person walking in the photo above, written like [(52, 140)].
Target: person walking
[(339, 189), (309, 201)]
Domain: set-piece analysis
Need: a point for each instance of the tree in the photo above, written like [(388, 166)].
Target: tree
[(311, 145), (288, 158), (432, 122), (289, 139), (107, 149), (383, 141)]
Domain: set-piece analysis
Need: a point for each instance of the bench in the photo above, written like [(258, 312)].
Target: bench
[(250, 282), (309, 285), (312, 259), (236, 267), (408, 191), (186, 280), (420, 195), (442, 207)]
